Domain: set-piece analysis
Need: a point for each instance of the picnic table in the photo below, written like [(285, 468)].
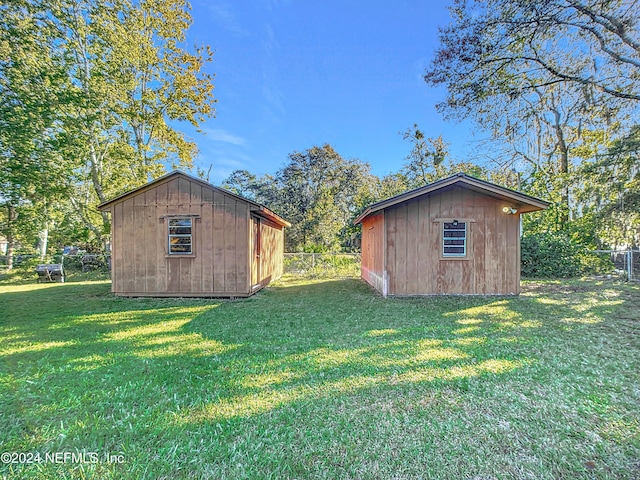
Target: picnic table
[(50, 272)]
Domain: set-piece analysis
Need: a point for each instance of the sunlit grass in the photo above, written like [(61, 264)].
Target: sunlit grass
[(381, 333), (14, 347), (323, 379)]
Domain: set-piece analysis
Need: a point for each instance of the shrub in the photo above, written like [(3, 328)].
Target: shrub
[(595, 263), (325, 265), (550, 255)]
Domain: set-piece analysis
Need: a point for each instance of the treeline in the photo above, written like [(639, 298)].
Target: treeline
[(321, 193)]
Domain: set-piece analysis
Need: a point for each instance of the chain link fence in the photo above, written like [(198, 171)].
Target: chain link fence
[(322, 265), (624, 264)]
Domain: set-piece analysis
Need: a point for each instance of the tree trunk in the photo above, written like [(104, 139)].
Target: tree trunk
[(12, 216), (563, 167), (44, 233), (44, 241)]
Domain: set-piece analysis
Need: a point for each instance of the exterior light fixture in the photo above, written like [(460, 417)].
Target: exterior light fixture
[(509, 210)]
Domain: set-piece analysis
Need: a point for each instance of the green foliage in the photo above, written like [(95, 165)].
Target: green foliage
[(318, 191), (595, 263), (91, 93), (425, 158), (549, 255), (612, 190), (322, 265)]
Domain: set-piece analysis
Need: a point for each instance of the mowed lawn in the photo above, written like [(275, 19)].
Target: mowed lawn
[(321, 379)]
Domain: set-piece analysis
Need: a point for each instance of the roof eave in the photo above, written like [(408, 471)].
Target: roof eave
[(489, 188), (105, 206)]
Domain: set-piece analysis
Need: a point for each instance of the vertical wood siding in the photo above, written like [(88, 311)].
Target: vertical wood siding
[(415, 265), (372, 251), (221, 247), (271, 252)]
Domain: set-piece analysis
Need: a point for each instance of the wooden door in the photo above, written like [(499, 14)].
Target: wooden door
[(255, 255)]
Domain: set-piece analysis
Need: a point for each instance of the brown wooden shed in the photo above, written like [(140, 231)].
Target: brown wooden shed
[(179, 236), (459, 235)]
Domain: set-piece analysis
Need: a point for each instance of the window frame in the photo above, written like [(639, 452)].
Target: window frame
[(171, 235), (454, 226)]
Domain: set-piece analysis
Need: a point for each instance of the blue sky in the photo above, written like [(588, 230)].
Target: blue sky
[(294, 74)]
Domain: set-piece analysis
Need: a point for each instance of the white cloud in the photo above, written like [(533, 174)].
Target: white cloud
[(220, 135)]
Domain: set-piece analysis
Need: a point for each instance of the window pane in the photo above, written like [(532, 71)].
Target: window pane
[(180, 248), (180, 240), (179, 230), (453, 242), (180, 222), (455, 226), (454, 250)]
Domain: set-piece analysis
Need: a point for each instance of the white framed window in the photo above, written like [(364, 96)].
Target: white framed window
[(180, 235), (454, 239)]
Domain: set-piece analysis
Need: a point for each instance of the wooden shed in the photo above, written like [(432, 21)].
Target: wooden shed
[(180, 236), (459, 235)]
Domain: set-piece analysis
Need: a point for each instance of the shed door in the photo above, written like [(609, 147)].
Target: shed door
[(255, 257)]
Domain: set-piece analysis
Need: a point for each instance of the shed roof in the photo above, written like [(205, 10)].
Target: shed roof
[(256, 207), (522, 202)]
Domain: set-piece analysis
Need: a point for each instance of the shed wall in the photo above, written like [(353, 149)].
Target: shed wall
[(372, 247), (219, 265), (271, 251), (415, 265)]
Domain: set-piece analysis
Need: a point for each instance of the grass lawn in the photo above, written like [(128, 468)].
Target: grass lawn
[(321, 379)]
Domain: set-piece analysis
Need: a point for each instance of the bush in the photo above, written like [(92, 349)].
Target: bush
[(325, 265), (596, 263), (550, 255)]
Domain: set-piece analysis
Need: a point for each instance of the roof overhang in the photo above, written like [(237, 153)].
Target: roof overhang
[(255, 207), (520, 201)]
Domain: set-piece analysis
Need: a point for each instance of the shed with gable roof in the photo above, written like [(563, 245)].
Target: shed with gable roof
[(459, 235), (179, 236)]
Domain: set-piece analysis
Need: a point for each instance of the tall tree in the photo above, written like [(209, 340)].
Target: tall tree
[(612, 191), (32, 83), (305, 183), (317, 190), (134, 80), (594, 47), (536, 73)]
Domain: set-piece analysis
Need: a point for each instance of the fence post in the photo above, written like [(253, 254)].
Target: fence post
[(630, 265), (313, 260)]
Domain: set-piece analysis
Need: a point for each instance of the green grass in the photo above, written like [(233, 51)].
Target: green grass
[(322, 379)]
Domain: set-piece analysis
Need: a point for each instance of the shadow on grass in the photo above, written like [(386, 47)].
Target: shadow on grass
[(80, 366), (315, 340)]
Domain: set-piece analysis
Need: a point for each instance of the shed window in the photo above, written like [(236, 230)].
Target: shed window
[(454, 239), (180, 236)]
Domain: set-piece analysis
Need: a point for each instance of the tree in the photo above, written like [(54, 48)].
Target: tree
[(92, 96), (612, 189), (425, 158), (537, 133), (490, 45), (32, 83), (537, 73), (132, 81), (318, 192)]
